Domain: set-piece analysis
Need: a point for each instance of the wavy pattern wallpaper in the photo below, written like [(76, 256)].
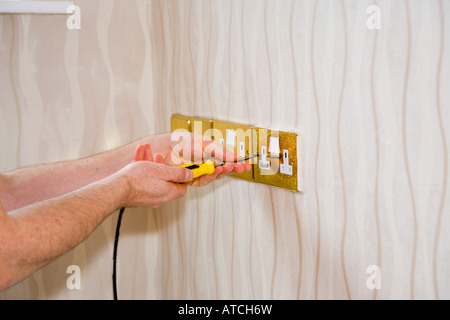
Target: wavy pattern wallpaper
[(372, 106)]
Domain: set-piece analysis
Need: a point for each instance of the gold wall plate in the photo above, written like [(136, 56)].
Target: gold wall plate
[(278, 170), (178, 121), (240, 139), (282, 165), (191, 124), (201, 126)]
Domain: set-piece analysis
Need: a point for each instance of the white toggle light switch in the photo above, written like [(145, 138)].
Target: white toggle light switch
[(274, 147), (242, 149), (231, 138), (222, 141), (263, 163), (285, 168)]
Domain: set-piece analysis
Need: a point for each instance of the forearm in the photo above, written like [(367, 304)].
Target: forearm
[(32, 236), (37, 183)]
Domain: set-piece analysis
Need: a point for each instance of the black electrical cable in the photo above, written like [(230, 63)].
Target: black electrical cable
[(116, 239), (116, 243)]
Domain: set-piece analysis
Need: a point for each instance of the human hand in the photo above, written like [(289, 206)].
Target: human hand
[(150, 183), (186, 147)]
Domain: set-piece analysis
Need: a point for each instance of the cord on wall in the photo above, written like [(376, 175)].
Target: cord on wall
[(116, 243)]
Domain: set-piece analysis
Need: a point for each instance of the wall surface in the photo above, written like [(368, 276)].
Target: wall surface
[(372, 106)]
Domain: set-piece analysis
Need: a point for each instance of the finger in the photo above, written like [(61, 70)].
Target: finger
[(173, 159), (174, 191), (220, 173), (158, 158), (183, 145), (175, 174), (139, 153), (147, 153), (208, 178), (238, 168), (179, 190), (217, 151), (227, 169)]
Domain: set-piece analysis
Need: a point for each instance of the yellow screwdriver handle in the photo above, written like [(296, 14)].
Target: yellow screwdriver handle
[(200, 169)]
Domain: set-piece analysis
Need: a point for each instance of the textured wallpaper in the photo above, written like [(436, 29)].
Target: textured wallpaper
[(364, 82)]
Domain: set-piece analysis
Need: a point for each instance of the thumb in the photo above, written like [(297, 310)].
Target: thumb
[(176, 174)]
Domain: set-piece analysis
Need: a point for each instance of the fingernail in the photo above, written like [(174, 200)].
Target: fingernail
[(189, 175), (196, 183)]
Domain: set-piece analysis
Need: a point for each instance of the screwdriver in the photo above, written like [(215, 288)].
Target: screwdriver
[(209, 167)]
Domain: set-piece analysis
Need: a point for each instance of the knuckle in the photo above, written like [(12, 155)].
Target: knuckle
[(182, 191), (180, 174), (174, 192), (167, 197)]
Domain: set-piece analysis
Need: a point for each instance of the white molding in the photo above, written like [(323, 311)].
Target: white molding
[(36, 7)]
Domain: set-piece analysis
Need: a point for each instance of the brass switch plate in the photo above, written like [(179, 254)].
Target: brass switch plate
[(202, 126), (240, 139), (279, 172), (281, 169), (191, 124), (179, 121)]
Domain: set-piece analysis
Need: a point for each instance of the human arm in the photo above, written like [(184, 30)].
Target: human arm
[(34, 235), (51, 208), (32, 184), (29, 185), (194, 148)]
